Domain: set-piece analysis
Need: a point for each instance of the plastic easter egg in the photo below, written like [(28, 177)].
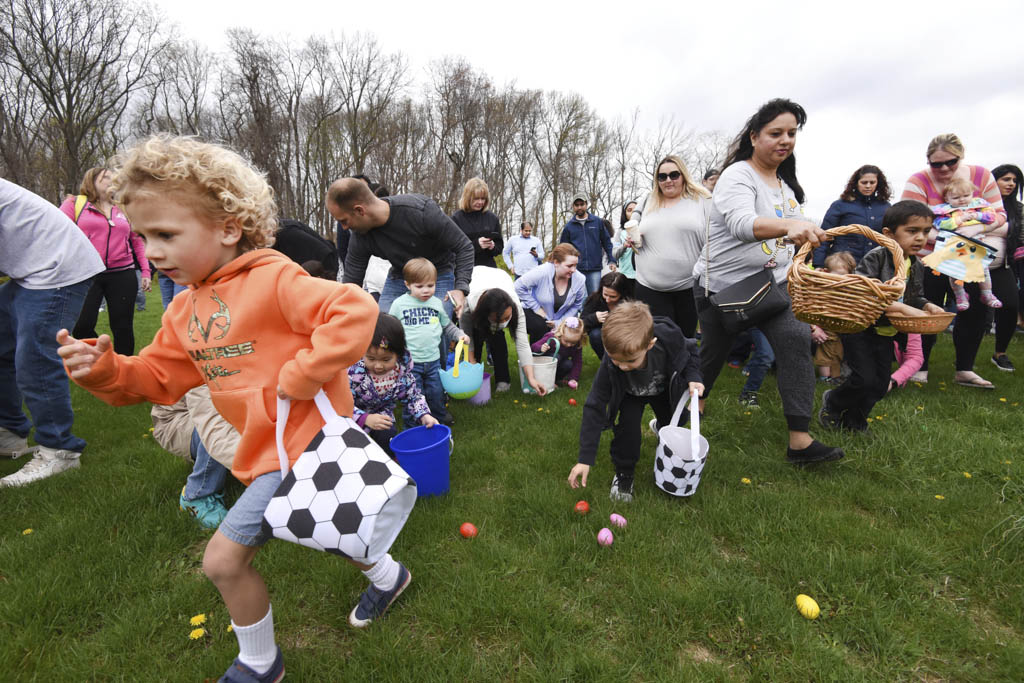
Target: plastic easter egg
[(467, 530), (807, 606), (572, 401), (573, 384), (583, 507), (617, 519), (605, 537)]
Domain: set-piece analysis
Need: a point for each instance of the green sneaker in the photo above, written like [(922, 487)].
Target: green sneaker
[(209, 511)]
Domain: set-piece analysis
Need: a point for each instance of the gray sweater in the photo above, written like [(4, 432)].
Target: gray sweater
[(734, 253)]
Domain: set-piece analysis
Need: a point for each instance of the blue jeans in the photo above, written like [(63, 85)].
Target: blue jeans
[(760, 361), (169, 289), (428, 379), (244, 521), (593, 280), (30, 368), (207, 476), (395, 287)]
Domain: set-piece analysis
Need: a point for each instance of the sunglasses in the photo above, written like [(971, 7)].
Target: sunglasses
[(949, 163), (674, 175)]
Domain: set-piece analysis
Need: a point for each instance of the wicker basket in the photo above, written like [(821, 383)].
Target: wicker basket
[(922, 324), (844, 304)]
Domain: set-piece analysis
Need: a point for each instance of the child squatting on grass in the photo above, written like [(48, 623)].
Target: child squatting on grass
[(870, 353), (384, 377), (646, 360), (254, 327)]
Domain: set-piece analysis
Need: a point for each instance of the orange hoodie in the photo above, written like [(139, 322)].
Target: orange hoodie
[(259, 322)]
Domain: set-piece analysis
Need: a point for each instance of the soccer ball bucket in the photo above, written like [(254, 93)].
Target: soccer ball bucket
[(681, 453), (462, 380)]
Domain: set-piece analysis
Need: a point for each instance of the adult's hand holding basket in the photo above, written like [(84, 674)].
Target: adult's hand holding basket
[(844, 304)]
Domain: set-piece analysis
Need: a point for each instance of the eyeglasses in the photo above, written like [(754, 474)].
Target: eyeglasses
[(674, 175), (949, 163)]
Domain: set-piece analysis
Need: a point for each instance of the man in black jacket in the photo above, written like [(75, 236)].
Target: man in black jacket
[(397, 229), (647, 360)]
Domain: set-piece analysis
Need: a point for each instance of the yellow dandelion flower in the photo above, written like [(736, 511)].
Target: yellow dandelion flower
[(870, 419), (230, 628), (197, 633), (145, 436), (744, 480), (197, 620), (1014, 404), (26, 532), (939, 496), (967, 475), (942, 388), (1006, 479), (515, 400), (918, 385), (747, 412), (1002, 399), (540, 410), (1007, 462), (150, 430), (920, 407)]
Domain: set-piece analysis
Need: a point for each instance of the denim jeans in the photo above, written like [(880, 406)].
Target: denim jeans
[(30, 368), (428, 379), (207, 476), (169, 289), (395, 287), (760, 361), (593, 280)]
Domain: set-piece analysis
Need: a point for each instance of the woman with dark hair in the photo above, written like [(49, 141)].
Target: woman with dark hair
[(615, 288), (672, 220), (623, 253), (864, 202), (491, 306), (756, 216), (110, 232), (1006, 275), (944, 154), (552, 292)]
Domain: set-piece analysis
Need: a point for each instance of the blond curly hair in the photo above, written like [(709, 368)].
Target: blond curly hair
[(218, 181)]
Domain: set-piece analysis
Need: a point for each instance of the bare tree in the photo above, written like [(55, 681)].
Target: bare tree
[(561, 129), (176, 99)]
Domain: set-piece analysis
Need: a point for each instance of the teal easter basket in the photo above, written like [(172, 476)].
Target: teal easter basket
[(462, 380)]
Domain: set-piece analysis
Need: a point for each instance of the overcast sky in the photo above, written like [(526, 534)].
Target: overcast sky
[(878, 80)]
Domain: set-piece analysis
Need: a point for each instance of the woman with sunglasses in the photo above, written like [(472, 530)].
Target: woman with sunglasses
[(755, 219), (945, 153), (671, 235)]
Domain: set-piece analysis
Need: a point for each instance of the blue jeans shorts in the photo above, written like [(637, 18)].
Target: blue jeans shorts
[(244, 521)]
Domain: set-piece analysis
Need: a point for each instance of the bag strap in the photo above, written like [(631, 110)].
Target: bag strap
[(460, 351), (694, 419), (707, 251), (80, 202), (284, 408)]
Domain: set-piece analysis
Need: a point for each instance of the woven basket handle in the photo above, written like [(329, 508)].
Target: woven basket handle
[(863, 230)]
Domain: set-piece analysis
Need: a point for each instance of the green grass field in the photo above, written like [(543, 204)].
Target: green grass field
[(911, 546)]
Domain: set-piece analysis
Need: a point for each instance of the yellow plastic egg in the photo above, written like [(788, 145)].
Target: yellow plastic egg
[(807, 606)]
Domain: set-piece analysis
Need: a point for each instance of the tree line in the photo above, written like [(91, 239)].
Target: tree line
[(82, 78)]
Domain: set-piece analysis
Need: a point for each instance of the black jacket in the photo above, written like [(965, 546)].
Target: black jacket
[(602, 405), (301, 243), (477, 224), (878, 264)]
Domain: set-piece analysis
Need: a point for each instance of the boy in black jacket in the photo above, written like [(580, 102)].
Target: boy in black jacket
[(870, 353), (647, 360)]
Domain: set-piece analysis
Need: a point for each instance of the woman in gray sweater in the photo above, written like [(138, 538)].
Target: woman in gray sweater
[(755, 219)]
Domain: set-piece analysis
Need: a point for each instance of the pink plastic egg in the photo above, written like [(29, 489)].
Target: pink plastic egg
[(617, 519), (604, 536)]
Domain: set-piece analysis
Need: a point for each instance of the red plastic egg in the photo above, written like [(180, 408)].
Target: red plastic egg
[(583, 507), (467, 530), (572, 401)]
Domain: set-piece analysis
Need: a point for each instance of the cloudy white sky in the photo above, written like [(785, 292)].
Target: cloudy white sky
[(878, 80)]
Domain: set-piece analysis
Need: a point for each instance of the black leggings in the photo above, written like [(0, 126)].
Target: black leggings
[(679, 306), (118, 287), (498, 347), (1004, 287), (936, 290)]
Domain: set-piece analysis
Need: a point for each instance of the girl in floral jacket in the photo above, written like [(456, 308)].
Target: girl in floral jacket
[(379, 381)]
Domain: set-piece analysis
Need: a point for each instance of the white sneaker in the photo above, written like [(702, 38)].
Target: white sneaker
[(653, 426), (46, 463), (921, 377), (13, 446), (502, 387)]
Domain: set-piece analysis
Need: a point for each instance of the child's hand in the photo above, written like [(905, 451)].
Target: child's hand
[(696, 388), (283, 395), (427, 421), (601, 316), (544, 347), (933, 308), (379, 421), (578, 475), (818, 335), (465, 339), (78, 356)]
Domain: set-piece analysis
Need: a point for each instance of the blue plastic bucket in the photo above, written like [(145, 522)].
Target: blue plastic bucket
[(425, 454)]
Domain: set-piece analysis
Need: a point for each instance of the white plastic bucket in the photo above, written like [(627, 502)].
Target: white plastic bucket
[(681, 454), (544, 371)]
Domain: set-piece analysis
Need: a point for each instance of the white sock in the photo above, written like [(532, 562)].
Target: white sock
[(384, 574), (256, 646)]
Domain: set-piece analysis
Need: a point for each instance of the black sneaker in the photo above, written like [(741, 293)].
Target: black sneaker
[(1003, 362), (816, 452), (828, 419), (622, 488), (749, 399)]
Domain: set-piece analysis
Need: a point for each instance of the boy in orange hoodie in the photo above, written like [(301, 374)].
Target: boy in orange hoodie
[(253, 326)]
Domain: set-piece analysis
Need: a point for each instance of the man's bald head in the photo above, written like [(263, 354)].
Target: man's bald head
[(352, 203)]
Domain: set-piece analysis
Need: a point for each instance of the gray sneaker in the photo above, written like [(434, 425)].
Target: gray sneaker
[(622, 488), (46, 463), (502, 387), (13, 446)]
